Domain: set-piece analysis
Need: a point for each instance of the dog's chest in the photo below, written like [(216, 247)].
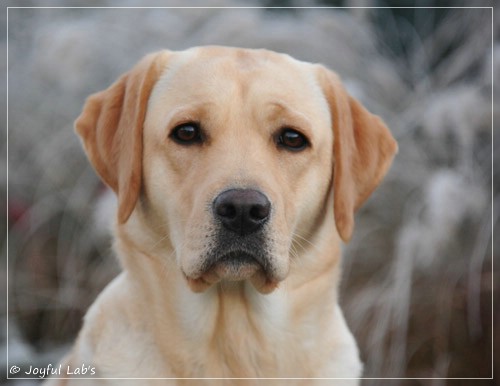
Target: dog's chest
[(234, 332)]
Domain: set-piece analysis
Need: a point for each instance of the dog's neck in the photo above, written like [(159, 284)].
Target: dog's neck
[(231, 320)]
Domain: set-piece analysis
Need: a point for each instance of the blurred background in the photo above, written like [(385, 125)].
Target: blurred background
[(418, 275)]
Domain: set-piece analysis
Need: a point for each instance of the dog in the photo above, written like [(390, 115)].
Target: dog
[(237, 174)]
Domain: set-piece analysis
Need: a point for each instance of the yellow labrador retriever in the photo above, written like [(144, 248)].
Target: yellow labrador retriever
[(237, 173)]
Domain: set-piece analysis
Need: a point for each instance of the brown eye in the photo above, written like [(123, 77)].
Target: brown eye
[(292, 140), (187, 134)]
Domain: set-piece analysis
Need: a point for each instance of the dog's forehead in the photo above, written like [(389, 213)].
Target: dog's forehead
[(241, 58), (222, 73), (205, 65)]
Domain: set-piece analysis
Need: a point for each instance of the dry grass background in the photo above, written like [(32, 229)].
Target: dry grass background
[(418, 277)]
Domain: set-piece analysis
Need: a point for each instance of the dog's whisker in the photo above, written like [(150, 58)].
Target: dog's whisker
[(297, 235)]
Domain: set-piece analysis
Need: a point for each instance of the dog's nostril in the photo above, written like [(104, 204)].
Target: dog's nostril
[(242, 211), (228, 211), (260, 212)]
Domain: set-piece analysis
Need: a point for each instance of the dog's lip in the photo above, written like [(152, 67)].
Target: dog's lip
[(235, 266)]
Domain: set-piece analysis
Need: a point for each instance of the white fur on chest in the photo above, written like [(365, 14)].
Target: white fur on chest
[(200, 312)]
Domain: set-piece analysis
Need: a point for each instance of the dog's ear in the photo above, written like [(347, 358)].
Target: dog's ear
[(363, 151), (111, 125)]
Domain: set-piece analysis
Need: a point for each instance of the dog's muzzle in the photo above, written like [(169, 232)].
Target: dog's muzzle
[(240, 247)]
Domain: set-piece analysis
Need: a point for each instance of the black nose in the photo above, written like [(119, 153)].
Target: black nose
[(242, 211)]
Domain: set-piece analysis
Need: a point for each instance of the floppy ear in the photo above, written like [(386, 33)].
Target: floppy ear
[(363, 151), (110, 127)]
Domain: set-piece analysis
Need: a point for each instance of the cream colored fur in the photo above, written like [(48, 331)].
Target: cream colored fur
[(163, 316)]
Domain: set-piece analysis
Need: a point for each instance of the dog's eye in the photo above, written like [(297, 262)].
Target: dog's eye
[(292, 140), (187, 133)]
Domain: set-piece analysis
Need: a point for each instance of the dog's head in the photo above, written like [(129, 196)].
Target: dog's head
[(226, 155)]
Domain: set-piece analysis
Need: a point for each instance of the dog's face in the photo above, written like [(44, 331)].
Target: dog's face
[(230, 140), (232, 153)]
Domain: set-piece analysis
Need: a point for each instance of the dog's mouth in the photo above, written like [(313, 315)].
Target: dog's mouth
[(235, 266)]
